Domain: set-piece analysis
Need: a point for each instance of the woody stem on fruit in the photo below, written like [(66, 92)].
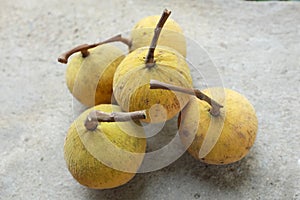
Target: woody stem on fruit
[(215, 106), (150, 62), (63, 58), (96, 116)]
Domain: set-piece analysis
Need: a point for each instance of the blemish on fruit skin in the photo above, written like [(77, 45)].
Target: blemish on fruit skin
[(241, 135), (198, 137), (146, 101)]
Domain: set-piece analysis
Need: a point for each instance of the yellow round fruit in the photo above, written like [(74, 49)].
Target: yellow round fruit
[(90, 78), (131, 83), (106, 157), (171, 35), (221, 139)]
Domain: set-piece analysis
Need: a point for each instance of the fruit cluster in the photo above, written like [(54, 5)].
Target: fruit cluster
[(105, 145)]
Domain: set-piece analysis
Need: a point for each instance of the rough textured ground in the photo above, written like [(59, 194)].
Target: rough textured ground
[(254, 45)]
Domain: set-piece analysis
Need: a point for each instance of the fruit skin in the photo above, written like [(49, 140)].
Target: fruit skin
[(90, 79), (171, 34), (132, 89), (87, 153), (238, 131)]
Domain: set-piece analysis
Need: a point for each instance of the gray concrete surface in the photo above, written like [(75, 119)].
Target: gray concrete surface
[(255, 46)]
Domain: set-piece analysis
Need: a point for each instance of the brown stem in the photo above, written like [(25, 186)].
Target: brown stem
[(150, 62), (63, 58), (96, 116), (215, 106)]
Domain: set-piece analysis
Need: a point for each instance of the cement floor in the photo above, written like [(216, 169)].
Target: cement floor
[(255, 47)]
